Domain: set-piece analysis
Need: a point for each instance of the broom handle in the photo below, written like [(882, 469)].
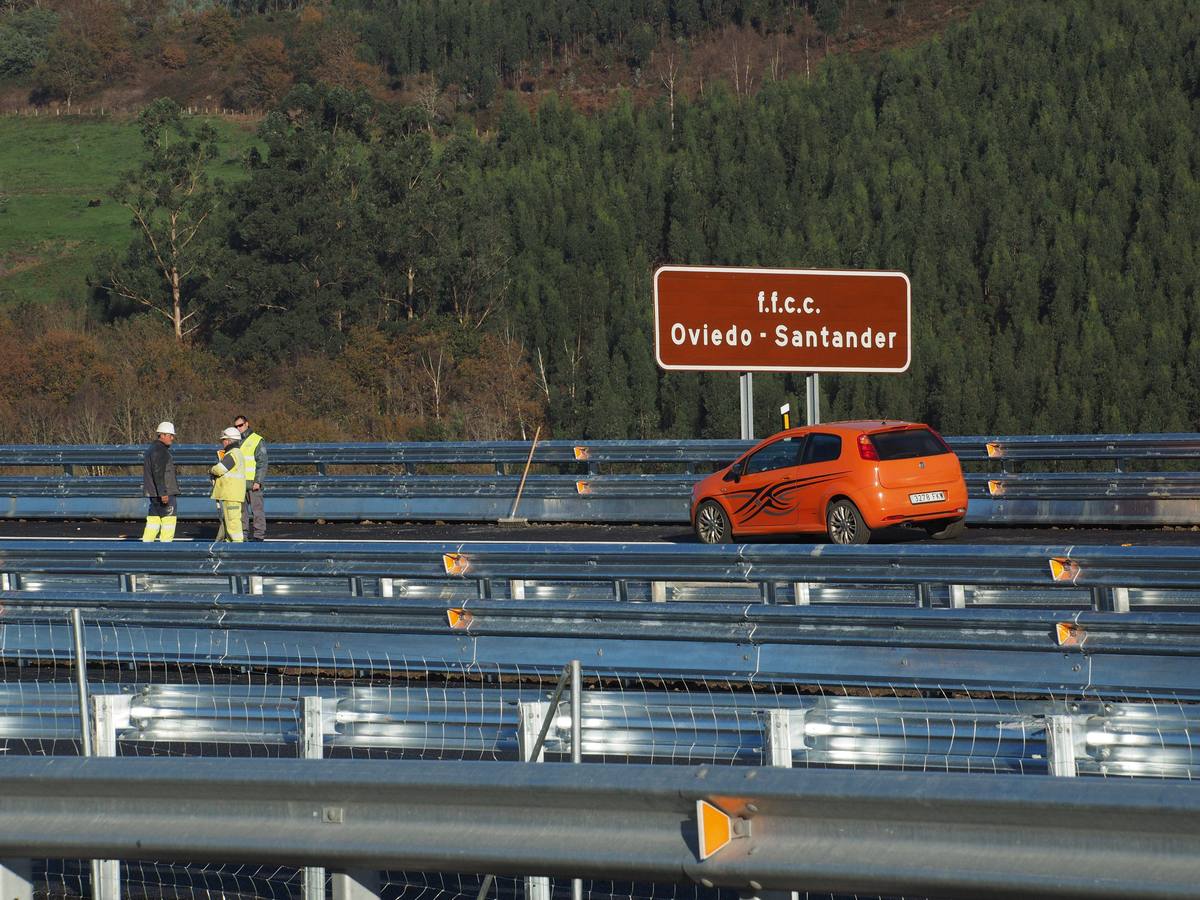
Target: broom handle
[(528, 462)]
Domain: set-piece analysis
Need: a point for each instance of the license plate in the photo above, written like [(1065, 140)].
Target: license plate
[(930, 497)]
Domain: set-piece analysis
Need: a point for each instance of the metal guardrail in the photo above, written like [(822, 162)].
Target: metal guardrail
[(1031, 651), (1104, 568), (876, 832), (1107, 738), (583, 493), (591, 454)]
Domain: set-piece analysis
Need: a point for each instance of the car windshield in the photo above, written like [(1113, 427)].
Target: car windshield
[(907, 444)]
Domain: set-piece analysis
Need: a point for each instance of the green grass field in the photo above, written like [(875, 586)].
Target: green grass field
[(50, 169)]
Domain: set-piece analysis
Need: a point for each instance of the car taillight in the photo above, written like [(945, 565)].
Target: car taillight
[(866, 449)]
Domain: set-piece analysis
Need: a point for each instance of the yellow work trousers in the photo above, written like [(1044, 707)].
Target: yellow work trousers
[(231, 521), (161, 528)]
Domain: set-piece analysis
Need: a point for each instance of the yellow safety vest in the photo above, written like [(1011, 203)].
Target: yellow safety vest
[(231, 476), (249, 445)]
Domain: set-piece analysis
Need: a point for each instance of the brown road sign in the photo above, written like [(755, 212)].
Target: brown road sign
[(781, 320)]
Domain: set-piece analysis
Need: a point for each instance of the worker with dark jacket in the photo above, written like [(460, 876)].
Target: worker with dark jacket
[(255, 453), (160, 485)]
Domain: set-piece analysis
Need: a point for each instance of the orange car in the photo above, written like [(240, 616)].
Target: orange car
[(846, 478)]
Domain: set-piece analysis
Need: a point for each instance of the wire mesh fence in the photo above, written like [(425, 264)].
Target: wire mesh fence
[(159, 699)]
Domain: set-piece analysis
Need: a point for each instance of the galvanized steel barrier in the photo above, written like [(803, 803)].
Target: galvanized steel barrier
[(1033, 652), (592, 481), (717, 725), (930, 614), (889, 833), (484, 563)]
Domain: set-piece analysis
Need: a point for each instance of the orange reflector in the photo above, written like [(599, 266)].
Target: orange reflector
[(459, 619), (455, 563), (581, 452), (996, 488), (583, 487), (716, 828), (1069, 634), (1064, 569), (994, 450)]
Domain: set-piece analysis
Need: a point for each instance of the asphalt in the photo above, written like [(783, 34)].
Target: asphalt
[(579, 533)]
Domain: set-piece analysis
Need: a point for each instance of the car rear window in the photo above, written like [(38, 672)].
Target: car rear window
[(907, 444)]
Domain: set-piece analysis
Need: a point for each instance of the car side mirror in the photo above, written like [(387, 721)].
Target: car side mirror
[(735, 472)]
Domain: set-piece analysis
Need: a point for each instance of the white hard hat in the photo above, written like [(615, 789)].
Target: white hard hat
[(231, 434), (165, 428)]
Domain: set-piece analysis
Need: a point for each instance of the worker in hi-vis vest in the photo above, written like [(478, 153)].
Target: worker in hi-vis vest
[(160, 486), (255, 453), (229, 486)]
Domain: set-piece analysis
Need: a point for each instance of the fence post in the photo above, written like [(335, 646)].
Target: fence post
[(85, 731), (576, 744), (110, 712), (312, 746), (16, 879), (1060, 745), (533, 714)]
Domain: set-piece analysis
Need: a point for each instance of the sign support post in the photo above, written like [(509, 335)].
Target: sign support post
[(746, 385), (812, 403)]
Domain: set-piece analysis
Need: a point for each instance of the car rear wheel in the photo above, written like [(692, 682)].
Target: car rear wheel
[(844, 524), (712, 524), (946, 529)]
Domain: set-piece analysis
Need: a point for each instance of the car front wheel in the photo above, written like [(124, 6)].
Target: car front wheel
[(844, 524), (712, 524)]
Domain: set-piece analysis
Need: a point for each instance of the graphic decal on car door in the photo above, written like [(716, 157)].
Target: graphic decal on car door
[(778, 500)]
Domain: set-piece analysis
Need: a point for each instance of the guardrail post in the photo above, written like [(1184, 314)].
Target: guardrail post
[(777, 751), (256, 584), (1060, 745), (1111, 599), (129, 583), (516, 588), (620, 590), (387, 587), (110, 712), (777, 738), (924, 597), (5, 582), (769, 592), (958, 596), (312, 746), (355, 884), (533, 714), (658, 592), (802, 593), (16, 879)]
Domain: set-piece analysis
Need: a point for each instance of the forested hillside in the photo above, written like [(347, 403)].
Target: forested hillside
[(447, 57), (1034, 171)]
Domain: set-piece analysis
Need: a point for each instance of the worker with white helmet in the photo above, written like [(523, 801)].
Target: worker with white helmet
[(160, 485), (229, 485)]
